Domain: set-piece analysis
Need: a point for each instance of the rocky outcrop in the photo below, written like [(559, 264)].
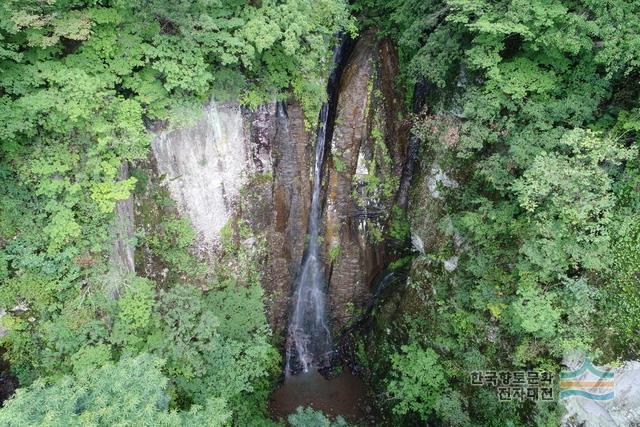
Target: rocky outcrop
[(289, 208), (204, 166), (256, 166), (368, 152), (235, 165), (292, 183)]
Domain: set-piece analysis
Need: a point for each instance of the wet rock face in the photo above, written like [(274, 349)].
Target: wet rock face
[(292, 182), (367, 156), (397, 128), (262, 134), (289, 208)]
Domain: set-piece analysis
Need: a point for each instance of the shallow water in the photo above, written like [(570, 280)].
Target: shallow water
[(343, 395)]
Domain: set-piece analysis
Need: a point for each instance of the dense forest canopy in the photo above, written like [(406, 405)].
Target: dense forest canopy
[(532, 106), (79, 82)]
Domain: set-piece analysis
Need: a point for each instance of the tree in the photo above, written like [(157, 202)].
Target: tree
[(532, 108), (418, 381), (130, 392), (308, 417)]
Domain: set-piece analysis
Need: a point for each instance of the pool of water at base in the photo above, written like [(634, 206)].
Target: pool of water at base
[(344, 395)]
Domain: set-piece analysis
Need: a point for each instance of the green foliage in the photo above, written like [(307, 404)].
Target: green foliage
[(531, 107), (418, 380), (215, 342), (170, 239), (534, 311), (569, 197), (399, 227), (308, 417), (164, 234), (136, 305), (204, 361), (378, 183), (338, 163), (620, 299), (376, 187), (130, 392), (334, 252), (133, 314), (79, 82)]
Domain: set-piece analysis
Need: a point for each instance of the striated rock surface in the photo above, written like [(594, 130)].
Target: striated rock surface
[(367, 156), (250, 166), (292, 181), (256, 167), (287, 210)]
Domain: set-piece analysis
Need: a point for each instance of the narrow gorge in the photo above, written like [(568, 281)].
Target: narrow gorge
[(320, 213), (324, 198)]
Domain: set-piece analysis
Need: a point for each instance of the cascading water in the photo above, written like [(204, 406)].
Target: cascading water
[(309, 338)]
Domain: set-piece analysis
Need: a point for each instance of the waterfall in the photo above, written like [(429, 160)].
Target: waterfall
[(309, 337), (309, 334)]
